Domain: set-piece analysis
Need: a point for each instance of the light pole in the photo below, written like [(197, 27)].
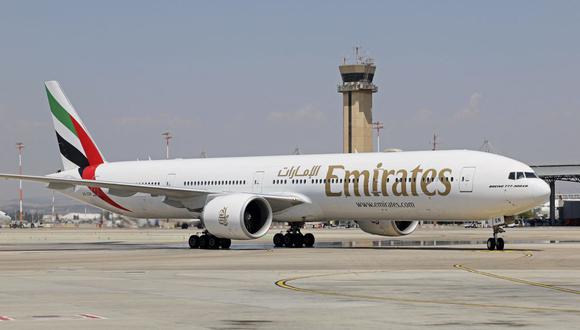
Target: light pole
[(378, 126), (20, 146), (167, 136)]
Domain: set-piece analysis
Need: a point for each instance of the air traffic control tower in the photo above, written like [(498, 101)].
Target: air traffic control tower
[(357, 90)]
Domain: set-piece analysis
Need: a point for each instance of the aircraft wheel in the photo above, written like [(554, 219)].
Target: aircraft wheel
[(213, 242), (184, 226), (278, 240), (298, 240), (225, 243), (203, 242), (309, 240), (499, 245), (288, 240), (490, 244), (194, 241)]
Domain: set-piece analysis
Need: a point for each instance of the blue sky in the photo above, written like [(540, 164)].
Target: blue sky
[(259, 77)]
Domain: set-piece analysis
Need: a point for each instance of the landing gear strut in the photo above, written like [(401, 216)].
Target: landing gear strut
[(294, 238), (496, 243), (208, 241)]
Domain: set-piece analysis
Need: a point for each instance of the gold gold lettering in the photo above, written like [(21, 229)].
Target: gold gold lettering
[(329, 177), (384, 181), (427, 175), (415, 172), (376, 175), (400, 185), (355, 174), (444, 180)]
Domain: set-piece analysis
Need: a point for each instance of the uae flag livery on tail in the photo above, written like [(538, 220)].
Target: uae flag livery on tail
[(77, 148)]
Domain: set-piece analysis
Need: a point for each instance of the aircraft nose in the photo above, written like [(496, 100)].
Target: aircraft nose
[(541, 191)]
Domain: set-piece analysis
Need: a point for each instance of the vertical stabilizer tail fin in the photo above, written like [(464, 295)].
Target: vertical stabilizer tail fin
[(77, 147)]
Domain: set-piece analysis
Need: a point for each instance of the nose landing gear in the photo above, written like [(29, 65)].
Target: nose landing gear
[(294, 238), (496, 243)]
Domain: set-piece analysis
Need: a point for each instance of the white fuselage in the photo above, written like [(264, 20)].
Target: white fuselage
[(4, 217), (422, 185)]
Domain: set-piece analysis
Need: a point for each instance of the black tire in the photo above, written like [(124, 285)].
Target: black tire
[(490, 244), (203, 242), (278, 240), (288, 240), (213, 242), (298, 240), (225, 243), (309, 240), (194, 242), (184, 226), (499, 245)]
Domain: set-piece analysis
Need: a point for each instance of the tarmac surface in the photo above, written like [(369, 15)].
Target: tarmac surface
[(441, 278)]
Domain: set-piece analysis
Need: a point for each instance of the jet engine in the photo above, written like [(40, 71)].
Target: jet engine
[(388, 228), (237, 216)]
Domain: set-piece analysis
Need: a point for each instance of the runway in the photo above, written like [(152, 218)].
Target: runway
[(437, 278)]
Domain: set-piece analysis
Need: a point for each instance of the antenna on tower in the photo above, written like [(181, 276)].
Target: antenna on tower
[(167, 136), (487, 146), (378, 126), (435, 143)]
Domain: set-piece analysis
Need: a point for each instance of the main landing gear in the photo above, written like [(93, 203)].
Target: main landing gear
[(293, 238), (208, 241), (496, 243)]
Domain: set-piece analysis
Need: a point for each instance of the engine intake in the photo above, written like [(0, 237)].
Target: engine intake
[(237, 216), (388, 228)]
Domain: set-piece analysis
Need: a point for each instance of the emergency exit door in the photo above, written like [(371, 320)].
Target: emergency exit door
[(257, 183), (466, 179)]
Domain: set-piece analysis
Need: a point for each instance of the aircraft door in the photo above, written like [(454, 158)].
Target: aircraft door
[(466, 179), (171, 180), (257, 181)]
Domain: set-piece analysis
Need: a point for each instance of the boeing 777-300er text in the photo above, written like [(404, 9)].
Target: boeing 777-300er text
[(239, 198)]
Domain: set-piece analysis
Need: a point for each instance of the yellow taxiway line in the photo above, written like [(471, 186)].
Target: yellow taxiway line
[(285, 284), (516, 280)]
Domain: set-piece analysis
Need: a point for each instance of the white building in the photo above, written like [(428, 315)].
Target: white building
[(80, 217)]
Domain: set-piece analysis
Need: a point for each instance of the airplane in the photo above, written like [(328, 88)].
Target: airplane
[(4, 217), (238, 198)]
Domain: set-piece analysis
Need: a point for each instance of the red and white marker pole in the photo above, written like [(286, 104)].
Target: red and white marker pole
[(20, 146)]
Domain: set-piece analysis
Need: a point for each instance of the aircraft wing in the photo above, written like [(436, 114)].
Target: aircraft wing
[(277, 202)]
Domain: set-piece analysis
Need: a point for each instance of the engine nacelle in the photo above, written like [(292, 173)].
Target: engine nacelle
[(237, 216), (388, 228)]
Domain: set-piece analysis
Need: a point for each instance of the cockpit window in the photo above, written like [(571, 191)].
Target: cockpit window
[(521, 175)]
